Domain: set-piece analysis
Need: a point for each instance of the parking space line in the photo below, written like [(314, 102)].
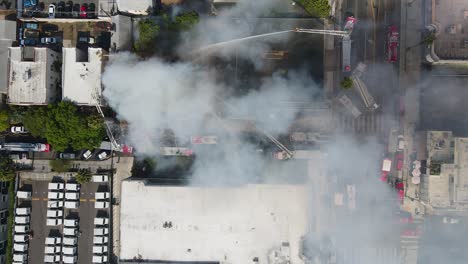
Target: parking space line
[(36, 199), (92, 200), (83, 200)]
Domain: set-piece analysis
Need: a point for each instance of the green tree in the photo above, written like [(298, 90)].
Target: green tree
[(185, 21), (4, 120), (429, 39), (148, 32), (347, 83), (66, 127), (83, 176), (35, 121), (60, 165), (319, 8), (7, 169)]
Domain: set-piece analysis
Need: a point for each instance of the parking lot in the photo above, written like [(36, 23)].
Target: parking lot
[(63, 9), (85, 214)]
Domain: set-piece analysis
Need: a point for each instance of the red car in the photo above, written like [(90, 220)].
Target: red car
[(83, 10), (399, 161), (392, 44)]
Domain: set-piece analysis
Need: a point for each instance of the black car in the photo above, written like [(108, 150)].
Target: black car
[(91, 10), (68, 9), (76, 11), (60, 9), (49, 29)]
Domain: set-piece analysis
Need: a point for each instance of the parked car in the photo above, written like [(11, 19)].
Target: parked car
[(56, 186), (55, 195), (72, 196), (99, 259), (20, 229), (22, 219), (52, 258), (53, 240), (102, 195), (100, 178), (31, 33), (17, 129), (68, 9), (20, 238), (83, 10), (98, 240), (101, 231), (69, 250), (102, 155), (20, 247), (101, 221), (76, 11), (20, 258), (101, 205), (87, 154), (29, 3), (67, 155), (91, 10), (72, 187), (54, 213), (49, 28), (69, 259), (28, 42), (72, 204), (69, 231), (99, 249), (70, 223), (71, 241), (48, 40), (54, 204), (23, 194), (52, 249), (23, 211), (51, 11), (60, 9), (88, 40)]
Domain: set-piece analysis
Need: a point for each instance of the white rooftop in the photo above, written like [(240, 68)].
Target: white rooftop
[(32, 82), (136, 7), (230, 225), (81, 75)]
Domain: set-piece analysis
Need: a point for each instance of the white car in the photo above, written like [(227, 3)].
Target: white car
[(17, 129), (69, 231), (99, 249), (70, 241), (72, 187), (21, 229), (20, 247), (20, 238), (56, 186), (100, 178), (53, 221), (73, 196), (23, 194), (101, 221), (102, 155), (20, 257), (101, 195), (54, 213), (51, 258), (98, 240), (53, 240), (69, 250), (101, 231), (87, 154), (72, 204), (70, 223), (69, 259), (22, 219), (99, 259), (51, 11), (101, 205), (52, 249), (54, 204), (23, 211), (55, 195)]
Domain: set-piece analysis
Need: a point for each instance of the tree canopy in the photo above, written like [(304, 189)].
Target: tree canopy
[(148, 32), (185, 21), (319, 8), (83, 176), (65, 127), (4, 120), (347, 83), (60, 165), (7, 169)]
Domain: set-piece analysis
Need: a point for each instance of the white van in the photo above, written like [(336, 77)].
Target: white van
[(68, 231), (56, 186), (102, 195), (53, 221), (101, 221), (70, 241), (20, 257), (69, 250), (72, 187), (51, 258), (72, 204), (20, 238), (72, 196), (98, 240), (100, 178), (55, 195), (53, 240), (52, 250), (99, 249), (101, 205), (70, 223), (54, 204), (20, 247), (99, 259), (23, 211), (101, 231), (54, 213), (69, 259), (21, 229), (22, 219), (23, 194)]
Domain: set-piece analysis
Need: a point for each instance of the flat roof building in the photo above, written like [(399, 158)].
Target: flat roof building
[(235, 225), (81, 75), (34, 75), (447, 171)]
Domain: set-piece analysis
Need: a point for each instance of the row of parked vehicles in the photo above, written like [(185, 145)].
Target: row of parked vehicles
[(21, 234), (100, 239), (69, 10)]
